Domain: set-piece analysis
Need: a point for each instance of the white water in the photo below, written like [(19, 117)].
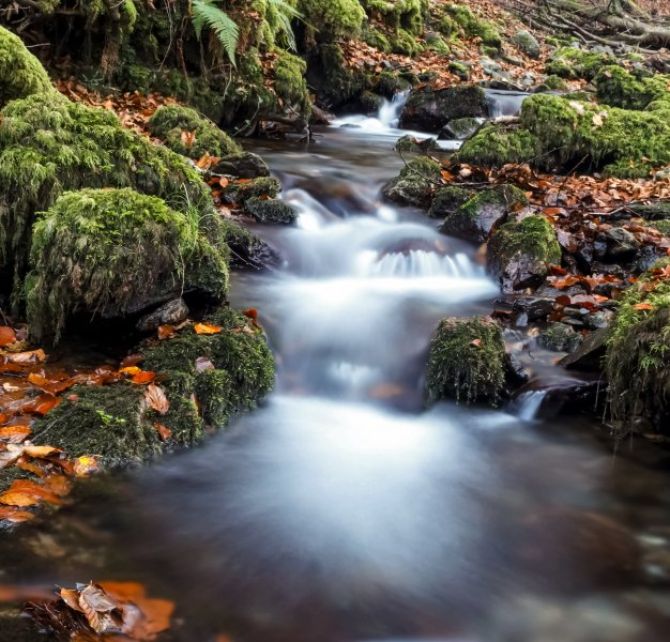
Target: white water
[(529, 404), (504, 103)]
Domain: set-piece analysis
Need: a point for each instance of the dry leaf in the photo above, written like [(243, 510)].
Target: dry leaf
[(163, 431), (14, 434), (166, 331), (15, 515), (156, 399), (206, 328), (7, 336), (144, 377), (27, 358), (642, 307)]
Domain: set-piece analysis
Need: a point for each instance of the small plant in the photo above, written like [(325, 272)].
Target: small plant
[(207, 14)]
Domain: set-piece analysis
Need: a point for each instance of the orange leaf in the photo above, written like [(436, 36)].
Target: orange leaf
[(163, 431), (166, 331), (130, 371), (223, 181), (14, 434), (643, 306), (188, 138), (43, 404), (14, 515), (41, 452), (206, 328), (23, 492), (59, 484), (156, 399), (144, 377), (7, 336)]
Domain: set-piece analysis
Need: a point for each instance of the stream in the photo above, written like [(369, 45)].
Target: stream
[(341, 510)]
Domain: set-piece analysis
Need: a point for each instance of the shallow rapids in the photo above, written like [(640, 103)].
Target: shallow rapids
[(342, 511)]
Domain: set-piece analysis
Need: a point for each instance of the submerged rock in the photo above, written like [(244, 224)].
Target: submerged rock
[(519, 252), (205, 380), (430, 110), (474, 219), (589, 355), (466, 361), (415, 184)]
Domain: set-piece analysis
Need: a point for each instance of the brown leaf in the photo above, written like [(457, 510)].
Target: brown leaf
[(188, 138), (163, 431), (643, 307), (477, 343), (14, 434), (24, 492), (27, 358), (15, 515), (166, 332), (7, 336), (156, 399)]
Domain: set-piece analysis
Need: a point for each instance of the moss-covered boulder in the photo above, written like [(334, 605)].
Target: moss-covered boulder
[(619, 88), (239, 192), (333, 19), (187, 132), (466, 361), (573, 63), (114, 252), (472, 26), (21, 74), (49, 145), (272, 211), (519, 252), (430, 110), (637, 362), (474, 219), (335, 80), (247, 251), (416, 183), (559, 133), (559, 337), (448, 199), (527, 43), (205, 379), (461, 128), (242, 165)]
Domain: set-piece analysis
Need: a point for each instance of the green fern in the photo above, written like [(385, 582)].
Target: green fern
[(283, 13), (207, 14)]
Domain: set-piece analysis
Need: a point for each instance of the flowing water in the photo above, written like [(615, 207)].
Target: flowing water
[(340, 510)]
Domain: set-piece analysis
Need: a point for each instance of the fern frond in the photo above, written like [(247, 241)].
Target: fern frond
[(207, 14), (284, 13)]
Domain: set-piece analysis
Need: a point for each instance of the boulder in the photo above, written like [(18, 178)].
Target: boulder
[(616, 245), (430, 110), (476, 217), (239, 192), (247, 251), (519, 252), (447, 200), (589, 354), (271, 211), (415, 184), (527, 43), (242, 165), (461, 128), (466, 361)]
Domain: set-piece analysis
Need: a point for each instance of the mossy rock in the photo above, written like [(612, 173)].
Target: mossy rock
[(466, 362), (519, 252), (460, 69), (378, 39), (558, 133), (637, 362), (187, 132), (21, 74), (462, 128), (430, 110), (619, 88), (290, 84), (49, 145), (572, 63), (410, 145), (662, 226), (471, 26), (553, 83), (206, 379), (114, 252), (416, 183), (271, 211), (242, 165), (333, 19), (448, 199), (474, 219), (527, 43), (240, 192), (336, 83), (654, 211), (560, 337), (396, 15), (248, 251)]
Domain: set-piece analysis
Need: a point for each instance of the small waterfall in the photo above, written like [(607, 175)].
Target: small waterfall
[(389, 112), (416, 263), (529, 403), (504, 103)]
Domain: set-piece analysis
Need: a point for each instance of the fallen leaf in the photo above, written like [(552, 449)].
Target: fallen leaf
[(24, 492), (14, 434), (7, 336), (130, 371), (86, 465), (163, 431), (477, 343), (206, 328), (43, 404), (156, 399), (223, 181), (188, 138), (15, 516), (643, 307), (166, 331), (203, 363), (27, 358), (144, 377)]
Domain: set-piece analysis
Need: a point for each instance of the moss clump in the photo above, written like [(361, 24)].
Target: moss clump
[(519, 252), (466, 361), (333, 19), (270, 211), (554, 83), (377, 39), (637, 362), (49, 145), (447, 200), (495, 146), (662, 226), (407, 15), (560, 337), (415, 184), (460, 69), (573, 63), (187, 132), (21, 74), (241, 191), (471, 26), (619, 88), (290, 84), (527, 43), (557, 133), (337, 83), (475, 217), (112, 252)]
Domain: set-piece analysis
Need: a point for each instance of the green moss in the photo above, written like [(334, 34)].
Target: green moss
[(415, 184), (637, 362), (111, 252), (555, 83), (460, 69), (388, 84), (472, 26), (495, 146), (403, 42), (270, 211), (619, 88), (49, 145), (189, 133), (527, 43), (21, 74), (336, 81), (333, 19), (377, 39), (290, 84), (466, 361), (407, 15), (560, 337), (573, 63), (241, 192), (447, 200), (531, 238), (662, 226)]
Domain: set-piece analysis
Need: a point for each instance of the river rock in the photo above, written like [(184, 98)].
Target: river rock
[(589, 355), (171, 313), (242, 165), (448, 199), (415, 184), (272, 211), (430, 110), (476, 217), (559, 337), (461, 128), (527, 43), (616, 245), (533, 308), (519, 253)]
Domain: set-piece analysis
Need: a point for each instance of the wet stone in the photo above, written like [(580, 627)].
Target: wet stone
[(172, 312), (559, 337), (242, 165), (589, 355)]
